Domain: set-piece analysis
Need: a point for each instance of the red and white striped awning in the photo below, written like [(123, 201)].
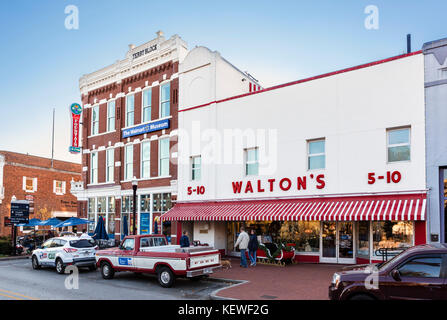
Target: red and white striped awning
[(365, 208)]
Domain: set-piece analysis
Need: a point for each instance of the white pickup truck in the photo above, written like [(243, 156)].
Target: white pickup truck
[(152, 254)]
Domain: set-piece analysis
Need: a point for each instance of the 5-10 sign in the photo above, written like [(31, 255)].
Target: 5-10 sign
[(199, 190), (390, 177)]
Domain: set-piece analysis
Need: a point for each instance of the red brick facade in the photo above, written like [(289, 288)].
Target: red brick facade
[(46, 202), (155, 76)]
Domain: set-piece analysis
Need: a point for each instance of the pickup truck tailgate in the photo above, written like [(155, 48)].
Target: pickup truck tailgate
[(204, 259)]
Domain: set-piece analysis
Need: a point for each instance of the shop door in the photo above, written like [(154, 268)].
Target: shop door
[(337, 242)]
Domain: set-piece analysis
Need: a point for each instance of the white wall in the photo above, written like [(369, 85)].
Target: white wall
[(351, 110)]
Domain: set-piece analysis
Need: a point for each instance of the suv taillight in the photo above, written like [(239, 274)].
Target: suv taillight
[(187, 263), (70, 250)]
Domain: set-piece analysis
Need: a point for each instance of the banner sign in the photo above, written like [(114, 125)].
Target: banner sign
[(76, 111), (145, 128), (19, 212)]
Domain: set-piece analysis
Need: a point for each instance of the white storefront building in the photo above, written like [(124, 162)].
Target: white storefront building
[(334, 164)]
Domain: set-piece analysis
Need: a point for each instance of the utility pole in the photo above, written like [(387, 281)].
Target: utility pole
[(52, 142)]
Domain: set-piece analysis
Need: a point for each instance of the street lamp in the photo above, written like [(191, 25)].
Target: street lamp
[(134, 187)]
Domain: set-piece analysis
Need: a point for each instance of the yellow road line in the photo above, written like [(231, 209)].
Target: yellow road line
[(17, 294)]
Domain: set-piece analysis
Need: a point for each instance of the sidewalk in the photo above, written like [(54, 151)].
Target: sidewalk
[(14, 257), (267, 282)]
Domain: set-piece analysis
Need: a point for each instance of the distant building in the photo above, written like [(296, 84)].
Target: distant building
[(33, 178)]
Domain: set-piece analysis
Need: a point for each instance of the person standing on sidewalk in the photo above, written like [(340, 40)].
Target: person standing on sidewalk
[(252, 248), (184, 240), (242, 242)]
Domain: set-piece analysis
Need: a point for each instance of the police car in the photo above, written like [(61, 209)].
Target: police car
[(61, 252)]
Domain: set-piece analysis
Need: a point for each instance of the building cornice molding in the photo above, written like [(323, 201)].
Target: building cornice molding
[(168, 51)]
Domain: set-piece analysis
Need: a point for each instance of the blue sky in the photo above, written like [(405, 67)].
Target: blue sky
[(276, 41)]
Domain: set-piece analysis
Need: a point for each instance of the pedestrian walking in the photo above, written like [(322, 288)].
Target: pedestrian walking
[(184, 240), (242, 242), (253, 245)]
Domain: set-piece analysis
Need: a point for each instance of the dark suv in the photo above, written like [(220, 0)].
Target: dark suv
[(417, 273)]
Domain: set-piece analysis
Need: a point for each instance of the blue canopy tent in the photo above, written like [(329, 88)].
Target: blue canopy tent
[(51, 222), (125, 228), (31, 223), (100, 230), (73, 222)]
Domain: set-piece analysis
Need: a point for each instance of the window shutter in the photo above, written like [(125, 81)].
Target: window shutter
[(63, 187), (54, 186), (34, 184), (24, 183)]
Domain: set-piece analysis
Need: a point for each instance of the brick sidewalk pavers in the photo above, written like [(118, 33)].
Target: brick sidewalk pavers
[(267, 282)]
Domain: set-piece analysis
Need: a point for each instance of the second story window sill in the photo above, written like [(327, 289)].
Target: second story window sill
[(101, 134)]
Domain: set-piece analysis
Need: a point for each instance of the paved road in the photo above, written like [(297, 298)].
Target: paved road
[(18, 281)]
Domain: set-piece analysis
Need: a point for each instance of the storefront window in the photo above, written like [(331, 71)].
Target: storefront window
[(305, 234), (145, 203), (363, 244), (126, 213), (91, 214), (111, 215), (392, 234)]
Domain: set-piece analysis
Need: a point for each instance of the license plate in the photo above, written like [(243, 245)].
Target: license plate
[(207, 270)]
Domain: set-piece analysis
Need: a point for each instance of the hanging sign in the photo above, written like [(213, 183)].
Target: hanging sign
[(76, 111)]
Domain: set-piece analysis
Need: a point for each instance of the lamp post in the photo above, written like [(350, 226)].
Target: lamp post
[(134, 187)]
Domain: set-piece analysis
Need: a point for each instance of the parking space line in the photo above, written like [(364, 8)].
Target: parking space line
[(19, 296)]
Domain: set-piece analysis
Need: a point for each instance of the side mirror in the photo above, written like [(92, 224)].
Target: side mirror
[(396, 275)]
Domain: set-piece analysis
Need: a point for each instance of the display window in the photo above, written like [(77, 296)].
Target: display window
[(398, 235)]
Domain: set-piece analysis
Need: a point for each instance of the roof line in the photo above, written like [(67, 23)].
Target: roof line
[(325, 75)]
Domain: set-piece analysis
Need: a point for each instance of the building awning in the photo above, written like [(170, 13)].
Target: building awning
[(362, 208)]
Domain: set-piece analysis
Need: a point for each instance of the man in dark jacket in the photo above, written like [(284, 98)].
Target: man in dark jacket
[(184, 240), (253, 247)]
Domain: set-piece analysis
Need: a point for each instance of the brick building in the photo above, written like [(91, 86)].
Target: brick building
[(33, 178), (130, 131)]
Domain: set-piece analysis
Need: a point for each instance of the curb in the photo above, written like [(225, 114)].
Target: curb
[(14, 258), (214, 296)]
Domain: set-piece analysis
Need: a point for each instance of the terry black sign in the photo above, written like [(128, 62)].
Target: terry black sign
[(145, 51), (145, 128), (19, 212)]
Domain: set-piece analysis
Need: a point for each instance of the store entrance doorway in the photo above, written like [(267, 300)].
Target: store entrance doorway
[(337, 242)]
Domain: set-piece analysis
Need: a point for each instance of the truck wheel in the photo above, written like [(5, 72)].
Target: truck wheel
[(165, 277), (35, 263), (107, 271), (60, 268)]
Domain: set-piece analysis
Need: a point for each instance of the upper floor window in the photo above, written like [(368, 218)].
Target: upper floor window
[(29, 184), (130, 109), (110, 160), (316, 154), (95, 120), (399, 147), (94, 168), (251, 162), (196, 168), (165, 100), (145, 159), (147, 105), (163, 155), (111, 116), (59, 187), (128, 174)]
